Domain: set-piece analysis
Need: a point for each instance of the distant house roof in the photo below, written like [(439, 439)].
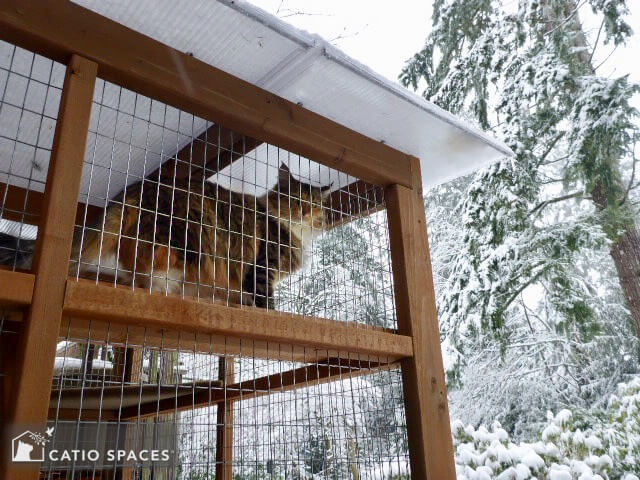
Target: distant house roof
[(244, 40)]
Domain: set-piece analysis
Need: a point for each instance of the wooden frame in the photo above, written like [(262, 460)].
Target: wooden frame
[(90, 44), (17, 289), (37, 342), (425, 389), (160, 314)]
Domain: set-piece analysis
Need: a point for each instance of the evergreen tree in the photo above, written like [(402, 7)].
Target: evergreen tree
[(546, 224), (527, 75)]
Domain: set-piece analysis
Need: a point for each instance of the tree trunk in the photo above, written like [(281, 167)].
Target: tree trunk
[(626, 249), (626, 257)]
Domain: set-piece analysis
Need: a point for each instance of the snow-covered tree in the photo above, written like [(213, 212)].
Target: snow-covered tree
[(528, 76), (528, 301)]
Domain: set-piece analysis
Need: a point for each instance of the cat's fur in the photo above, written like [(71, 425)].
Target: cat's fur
[(222, 245)]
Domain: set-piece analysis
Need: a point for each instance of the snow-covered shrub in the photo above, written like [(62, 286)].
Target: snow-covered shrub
[(590, 445)]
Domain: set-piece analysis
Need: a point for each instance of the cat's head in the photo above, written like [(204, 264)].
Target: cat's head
[(302, 201)]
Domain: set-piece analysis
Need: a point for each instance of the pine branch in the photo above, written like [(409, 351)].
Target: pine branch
[(543, 205), (605, 60), (551, 146), (566, 19), (595, 45)]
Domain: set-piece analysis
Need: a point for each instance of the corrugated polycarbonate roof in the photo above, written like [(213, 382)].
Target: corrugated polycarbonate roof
[(258, 47)]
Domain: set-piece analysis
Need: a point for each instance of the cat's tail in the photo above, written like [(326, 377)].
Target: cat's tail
[(16, 252)]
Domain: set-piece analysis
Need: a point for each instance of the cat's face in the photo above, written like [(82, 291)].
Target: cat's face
[(303, 200)]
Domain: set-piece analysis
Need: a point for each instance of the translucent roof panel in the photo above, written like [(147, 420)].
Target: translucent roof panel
[(258, 47)]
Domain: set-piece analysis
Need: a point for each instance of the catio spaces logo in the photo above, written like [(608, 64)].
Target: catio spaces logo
[(29, 446), (95, 445)]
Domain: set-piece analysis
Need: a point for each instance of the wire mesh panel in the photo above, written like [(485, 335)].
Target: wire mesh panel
[(222, 406), (172, 203), (30, 90)]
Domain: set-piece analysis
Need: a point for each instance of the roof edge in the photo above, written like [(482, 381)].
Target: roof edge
[(308, 40)]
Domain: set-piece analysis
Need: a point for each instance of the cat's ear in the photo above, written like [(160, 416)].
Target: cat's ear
[(284, 175)]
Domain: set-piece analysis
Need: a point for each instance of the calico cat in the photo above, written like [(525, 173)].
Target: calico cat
[(203, 241)]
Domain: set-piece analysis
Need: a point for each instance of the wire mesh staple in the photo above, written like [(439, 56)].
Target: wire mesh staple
[(174, 204)]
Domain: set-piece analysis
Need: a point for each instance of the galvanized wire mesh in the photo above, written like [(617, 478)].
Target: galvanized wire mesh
[(30, 90), (280, 413), (172, 203), (175, 204)]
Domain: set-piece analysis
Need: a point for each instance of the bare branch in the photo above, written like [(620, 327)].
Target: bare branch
[(595, 45), (562, 198), (605, 60)]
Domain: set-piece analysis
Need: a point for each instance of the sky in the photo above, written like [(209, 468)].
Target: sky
[(380, 34), (383, 34)]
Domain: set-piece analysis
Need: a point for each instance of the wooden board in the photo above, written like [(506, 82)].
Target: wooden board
[(37, 345), (131, 402), (302, 377), (425, 391), (16, 288), (113, 397), (356, 200), (159, 313), (224, 421), (58, 28), (213, 150)]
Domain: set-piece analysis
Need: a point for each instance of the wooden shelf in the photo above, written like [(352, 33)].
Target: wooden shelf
[(103, 312)]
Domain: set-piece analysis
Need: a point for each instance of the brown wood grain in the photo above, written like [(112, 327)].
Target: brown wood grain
[(16, 288), (58, 28), (425, 391), (302, 377), (356, 200), (86, 299), (212, 151), (192, 396), (37, 345), (224, 421)]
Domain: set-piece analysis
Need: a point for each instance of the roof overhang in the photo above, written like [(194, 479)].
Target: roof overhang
[(247, 42)]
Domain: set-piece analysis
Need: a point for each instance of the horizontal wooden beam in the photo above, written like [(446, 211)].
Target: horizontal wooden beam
[(302, 377), (86, 299), (356, 200), (20, 205), (131, 402), (25, 206), (146, 336), (215, 149), (58, 28), (16, 288)]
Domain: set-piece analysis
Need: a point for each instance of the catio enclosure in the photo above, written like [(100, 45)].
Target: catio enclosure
[(214, 243)]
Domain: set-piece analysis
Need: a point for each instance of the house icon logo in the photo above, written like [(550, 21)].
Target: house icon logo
[(29, 446)]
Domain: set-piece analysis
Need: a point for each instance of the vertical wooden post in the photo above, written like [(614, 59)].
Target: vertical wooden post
[(133, 376), (224, 429), (38, 339), (425, 391)]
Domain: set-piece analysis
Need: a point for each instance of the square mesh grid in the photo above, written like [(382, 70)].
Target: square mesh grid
[(224, 407), (30, 90), (172, 203)]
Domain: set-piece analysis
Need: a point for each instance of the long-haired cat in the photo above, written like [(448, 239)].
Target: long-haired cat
[(203, 241)]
